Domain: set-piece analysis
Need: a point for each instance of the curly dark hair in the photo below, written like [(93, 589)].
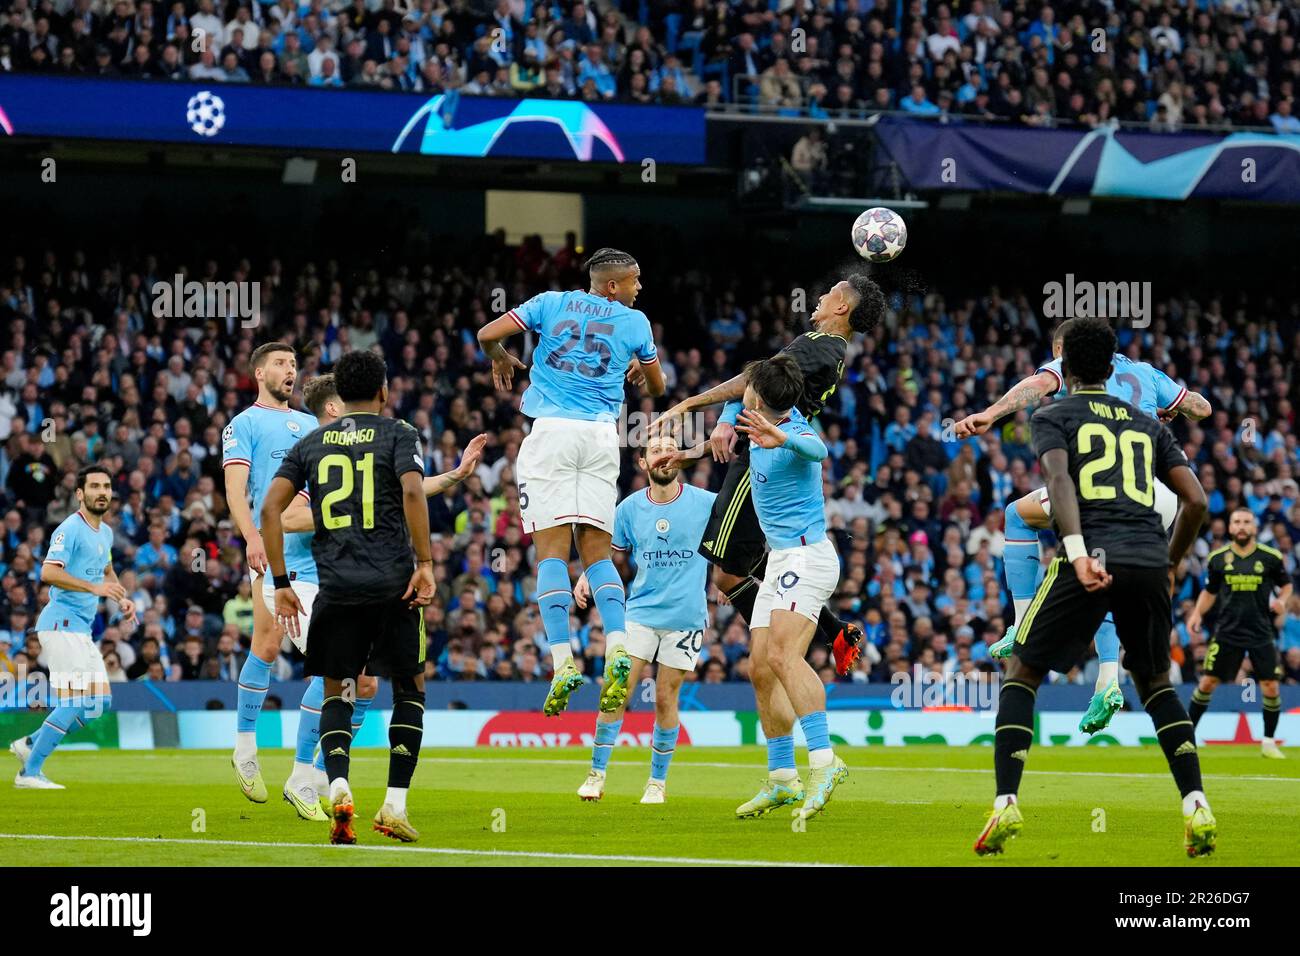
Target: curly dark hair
[(1088, 350), (870, 310), (359, 376)]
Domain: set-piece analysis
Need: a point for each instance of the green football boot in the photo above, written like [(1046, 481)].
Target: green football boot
[(567, 680), (618, 664), (775, 793), (1200, 831), (1002, 825), (1001, 648), (1104, 705)]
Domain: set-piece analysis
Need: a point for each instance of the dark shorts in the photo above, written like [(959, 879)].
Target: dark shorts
[(1061, 621), (1224, 660), (383, 638), (733, 540)]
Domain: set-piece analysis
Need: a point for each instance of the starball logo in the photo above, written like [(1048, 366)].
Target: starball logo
[(179, 299), (76, 909)]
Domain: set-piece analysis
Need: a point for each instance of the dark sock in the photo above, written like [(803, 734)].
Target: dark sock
[(336, 736), (1177, 738), (742, 597), (1272, 711), (1200, 704), (828, 627), (1014, 734), (405, 732)]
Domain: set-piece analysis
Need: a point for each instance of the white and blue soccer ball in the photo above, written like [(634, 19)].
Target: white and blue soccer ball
[(879, 234), (205, 113)]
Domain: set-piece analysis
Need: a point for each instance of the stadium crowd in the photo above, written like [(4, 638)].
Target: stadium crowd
[(1212, 63), (91, 374)]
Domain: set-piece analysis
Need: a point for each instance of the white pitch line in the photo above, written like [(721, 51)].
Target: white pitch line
[(435, 850), (759, 768)]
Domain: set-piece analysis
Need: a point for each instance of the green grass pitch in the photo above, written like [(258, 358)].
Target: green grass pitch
[(900, 807)]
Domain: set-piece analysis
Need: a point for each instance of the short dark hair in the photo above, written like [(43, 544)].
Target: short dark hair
[(359, 376), (261, 353), (606, 259), (870, 310), (318, 391), (1058, 334), (1088, 350), (778, 381), (87, 470)]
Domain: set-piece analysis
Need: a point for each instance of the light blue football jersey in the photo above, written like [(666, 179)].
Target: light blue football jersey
[(662, 540), (585, 344), (787, 489), (1137, 383), (84, 553), (259, 437)]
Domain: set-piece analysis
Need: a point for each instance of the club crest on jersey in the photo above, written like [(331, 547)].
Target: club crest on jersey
[(293, 426), (58, 540), (662, 525), (1259, 567)]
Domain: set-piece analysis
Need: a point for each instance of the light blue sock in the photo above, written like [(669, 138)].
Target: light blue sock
[(309, 720), (780, 753), (608, 594), (1020, 556), (254, 679), (606, 736), (554, 598), (1107, 641), (50, 735), (663, 743), (816, 730), (360, 707)]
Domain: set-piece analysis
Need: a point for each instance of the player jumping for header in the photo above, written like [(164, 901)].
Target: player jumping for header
[(587, 344)]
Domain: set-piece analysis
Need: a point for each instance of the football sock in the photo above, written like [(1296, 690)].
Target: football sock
[(817, 733), (554, 598), (1200, 704), (49, 736), (254, 679), (336, 736), (1272, 711), (780, 758), (606, 735), (1191, 800), (1020, 560), (828, 626), (609, 597), (395, 797), (1177, 737), (1107, 642), (742, 598), (93, 708), (405, 731), (360, 707), (663, 744), (309, 722), (1013, 736)]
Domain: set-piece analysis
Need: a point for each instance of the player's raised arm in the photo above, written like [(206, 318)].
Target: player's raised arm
[(1065, 511), (490, 339), (731, 390), (1025, 394), (469, 460)]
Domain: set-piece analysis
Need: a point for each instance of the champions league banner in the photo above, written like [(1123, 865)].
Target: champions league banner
[(297, 118), (1262, 167)]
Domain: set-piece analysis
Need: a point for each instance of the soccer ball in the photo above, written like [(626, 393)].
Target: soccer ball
[(879, 234), (205, 113)]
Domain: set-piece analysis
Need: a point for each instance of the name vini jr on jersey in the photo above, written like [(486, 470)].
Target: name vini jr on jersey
[(358, 436), (1107, 411)]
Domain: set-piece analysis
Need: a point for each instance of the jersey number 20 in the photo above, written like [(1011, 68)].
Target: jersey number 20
[(345, 466), (1128, 443)]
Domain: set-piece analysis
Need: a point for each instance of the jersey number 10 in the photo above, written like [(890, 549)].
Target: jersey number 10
[(1128, 443), (345, 465)]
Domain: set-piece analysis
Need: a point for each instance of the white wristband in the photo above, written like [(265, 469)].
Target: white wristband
[(1074, 547)]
